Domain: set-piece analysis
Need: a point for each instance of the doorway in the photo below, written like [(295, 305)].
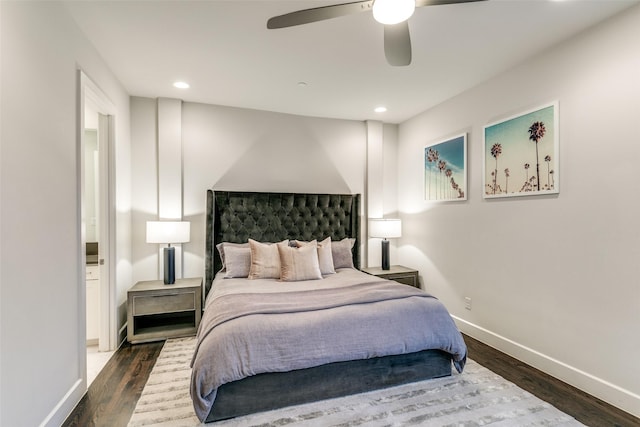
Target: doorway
[(97, 207)]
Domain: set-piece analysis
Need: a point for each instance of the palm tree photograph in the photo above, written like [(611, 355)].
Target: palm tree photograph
[(526, 148), (445, 170)]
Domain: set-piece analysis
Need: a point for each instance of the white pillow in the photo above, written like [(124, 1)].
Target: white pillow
[(265, 260), (325, 257), (299, 263)]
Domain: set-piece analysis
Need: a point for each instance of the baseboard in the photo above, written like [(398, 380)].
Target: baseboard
[(604, 390), (66, 405), (62, 410)]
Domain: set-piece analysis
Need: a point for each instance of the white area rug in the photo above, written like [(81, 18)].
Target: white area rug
[(477, 397)]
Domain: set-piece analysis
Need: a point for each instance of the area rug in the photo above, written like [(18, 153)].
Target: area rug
[(477, 397)]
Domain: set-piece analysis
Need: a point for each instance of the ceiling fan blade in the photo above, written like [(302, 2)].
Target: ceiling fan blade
[(318, 14), (421, 3), (397, 44)]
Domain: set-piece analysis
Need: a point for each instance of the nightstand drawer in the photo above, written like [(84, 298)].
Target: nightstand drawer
[(166, 303), (410, 280), (398, 273)]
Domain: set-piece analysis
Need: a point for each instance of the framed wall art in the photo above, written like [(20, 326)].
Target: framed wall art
[(445, 170), (521, 154)]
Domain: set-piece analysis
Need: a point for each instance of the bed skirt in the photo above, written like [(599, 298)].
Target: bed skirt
[(270, 391)]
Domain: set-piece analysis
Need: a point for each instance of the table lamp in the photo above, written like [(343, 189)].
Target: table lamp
[(385, 229), (168, 232)]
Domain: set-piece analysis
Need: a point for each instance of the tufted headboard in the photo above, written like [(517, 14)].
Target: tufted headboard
[(271, 217)]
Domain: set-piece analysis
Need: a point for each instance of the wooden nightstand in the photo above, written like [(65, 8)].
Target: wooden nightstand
[(156, 311), (399, 273)]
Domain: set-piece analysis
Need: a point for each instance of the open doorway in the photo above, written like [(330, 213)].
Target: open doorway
[(98, 290)]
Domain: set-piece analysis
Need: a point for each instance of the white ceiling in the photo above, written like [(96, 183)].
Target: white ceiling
[(223, 49)]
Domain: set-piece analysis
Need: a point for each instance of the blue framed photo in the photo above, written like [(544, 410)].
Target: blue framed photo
[(445, 170), (521, 154)]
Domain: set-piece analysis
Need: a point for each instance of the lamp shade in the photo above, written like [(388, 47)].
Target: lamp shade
[(385, 228), (168, 231)]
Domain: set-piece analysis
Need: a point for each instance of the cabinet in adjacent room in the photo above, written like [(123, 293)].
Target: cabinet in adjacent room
[(93, 303)]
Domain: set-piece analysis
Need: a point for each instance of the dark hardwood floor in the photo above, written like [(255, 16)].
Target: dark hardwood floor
[(112, 396), (580, 405)]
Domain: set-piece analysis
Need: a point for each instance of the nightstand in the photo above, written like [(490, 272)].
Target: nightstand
[(156, 311), (399, 273)]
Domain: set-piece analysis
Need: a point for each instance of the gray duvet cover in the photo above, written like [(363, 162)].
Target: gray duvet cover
[(256, 326)]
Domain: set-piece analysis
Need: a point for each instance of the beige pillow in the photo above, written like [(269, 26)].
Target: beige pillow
[(265, 260), (299, 263), (325, 258), (341, 253)]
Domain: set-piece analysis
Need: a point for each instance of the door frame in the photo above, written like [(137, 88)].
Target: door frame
[(89, 92)]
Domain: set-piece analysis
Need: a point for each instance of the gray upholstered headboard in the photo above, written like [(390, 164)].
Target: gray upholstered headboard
[(235, 217)]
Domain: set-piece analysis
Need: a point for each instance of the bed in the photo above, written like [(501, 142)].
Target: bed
[(313, 332)]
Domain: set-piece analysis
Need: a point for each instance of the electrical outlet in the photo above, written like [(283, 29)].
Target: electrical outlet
[(467, 303)]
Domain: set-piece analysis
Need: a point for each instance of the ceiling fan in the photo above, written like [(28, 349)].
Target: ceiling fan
[(392, 13)]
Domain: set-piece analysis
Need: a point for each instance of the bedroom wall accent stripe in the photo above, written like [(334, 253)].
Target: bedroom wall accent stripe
[(170, 183), (169, 158)]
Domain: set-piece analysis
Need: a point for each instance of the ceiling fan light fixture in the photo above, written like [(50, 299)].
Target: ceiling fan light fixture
[(390, 12)]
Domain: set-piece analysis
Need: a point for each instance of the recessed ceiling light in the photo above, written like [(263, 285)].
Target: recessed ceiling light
[(380, 109), (302, 84), (181, 85)]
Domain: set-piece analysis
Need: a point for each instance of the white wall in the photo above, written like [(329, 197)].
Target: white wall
[(238, 149), (553, 280), (144, 154), (41, 329), (382, 184)]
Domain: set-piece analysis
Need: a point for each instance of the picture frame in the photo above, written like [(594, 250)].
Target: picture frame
[(445, 170), (521, 154)]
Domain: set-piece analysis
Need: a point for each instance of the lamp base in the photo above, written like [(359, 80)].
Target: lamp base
[(385, 255), (169, 265)]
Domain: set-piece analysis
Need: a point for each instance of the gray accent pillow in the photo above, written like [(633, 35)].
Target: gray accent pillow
[(221, 250), (341, 253), (237, 261)]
